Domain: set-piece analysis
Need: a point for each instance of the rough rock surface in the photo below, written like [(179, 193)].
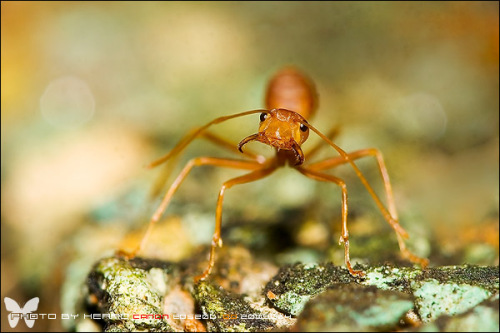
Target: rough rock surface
[(153, 295)]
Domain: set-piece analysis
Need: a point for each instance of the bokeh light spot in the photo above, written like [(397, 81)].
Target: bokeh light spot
[(67, 102)]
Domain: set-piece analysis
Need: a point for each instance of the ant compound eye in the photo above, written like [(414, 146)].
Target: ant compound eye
[(303, 127), (263, 116)]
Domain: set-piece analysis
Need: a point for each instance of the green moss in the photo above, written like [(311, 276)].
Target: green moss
[(486, 277), (228, 312), (391, 278), (295, 285), (291, 302), (129, 291), (322, 296)]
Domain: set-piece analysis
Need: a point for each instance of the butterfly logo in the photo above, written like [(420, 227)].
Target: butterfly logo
[(17, 312)]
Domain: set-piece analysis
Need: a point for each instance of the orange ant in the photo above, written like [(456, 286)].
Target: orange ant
[(291, 98)]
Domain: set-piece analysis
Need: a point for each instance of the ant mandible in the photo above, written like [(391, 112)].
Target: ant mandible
[(291, 98)]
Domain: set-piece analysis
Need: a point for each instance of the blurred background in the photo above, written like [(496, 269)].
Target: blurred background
[(92, 92)]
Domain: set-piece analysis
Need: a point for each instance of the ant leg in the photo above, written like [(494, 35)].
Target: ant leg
[(172, 156), (331, 135), (216, 239), (393, 221), (214, 138), (229, 163), (344, 238), (333, 162), (423, 262)]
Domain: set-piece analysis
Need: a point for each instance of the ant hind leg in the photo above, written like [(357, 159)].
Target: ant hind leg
[(390, 214)]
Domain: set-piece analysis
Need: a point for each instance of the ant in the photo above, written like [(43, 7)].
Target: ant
[(291, 99)]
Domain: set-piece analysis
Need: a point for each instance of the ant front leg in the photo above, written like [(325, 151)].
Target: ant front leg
[(212, 137), (199, 161), (390, 216), (216, 239), (344, 238)]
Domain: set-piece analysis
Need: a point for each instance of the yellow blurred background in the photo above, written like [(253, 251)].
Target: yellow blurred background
[(93, 91)]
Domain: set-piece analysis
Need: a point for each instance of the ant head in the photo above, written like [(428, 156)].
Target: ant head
[(282, 129)]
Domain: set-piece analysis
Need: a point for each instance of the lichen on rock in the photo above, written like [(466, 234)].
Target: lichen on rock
[(294, 285), (301, 297), (226, 312), (346, 306), (453, 290), (128, 294)]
